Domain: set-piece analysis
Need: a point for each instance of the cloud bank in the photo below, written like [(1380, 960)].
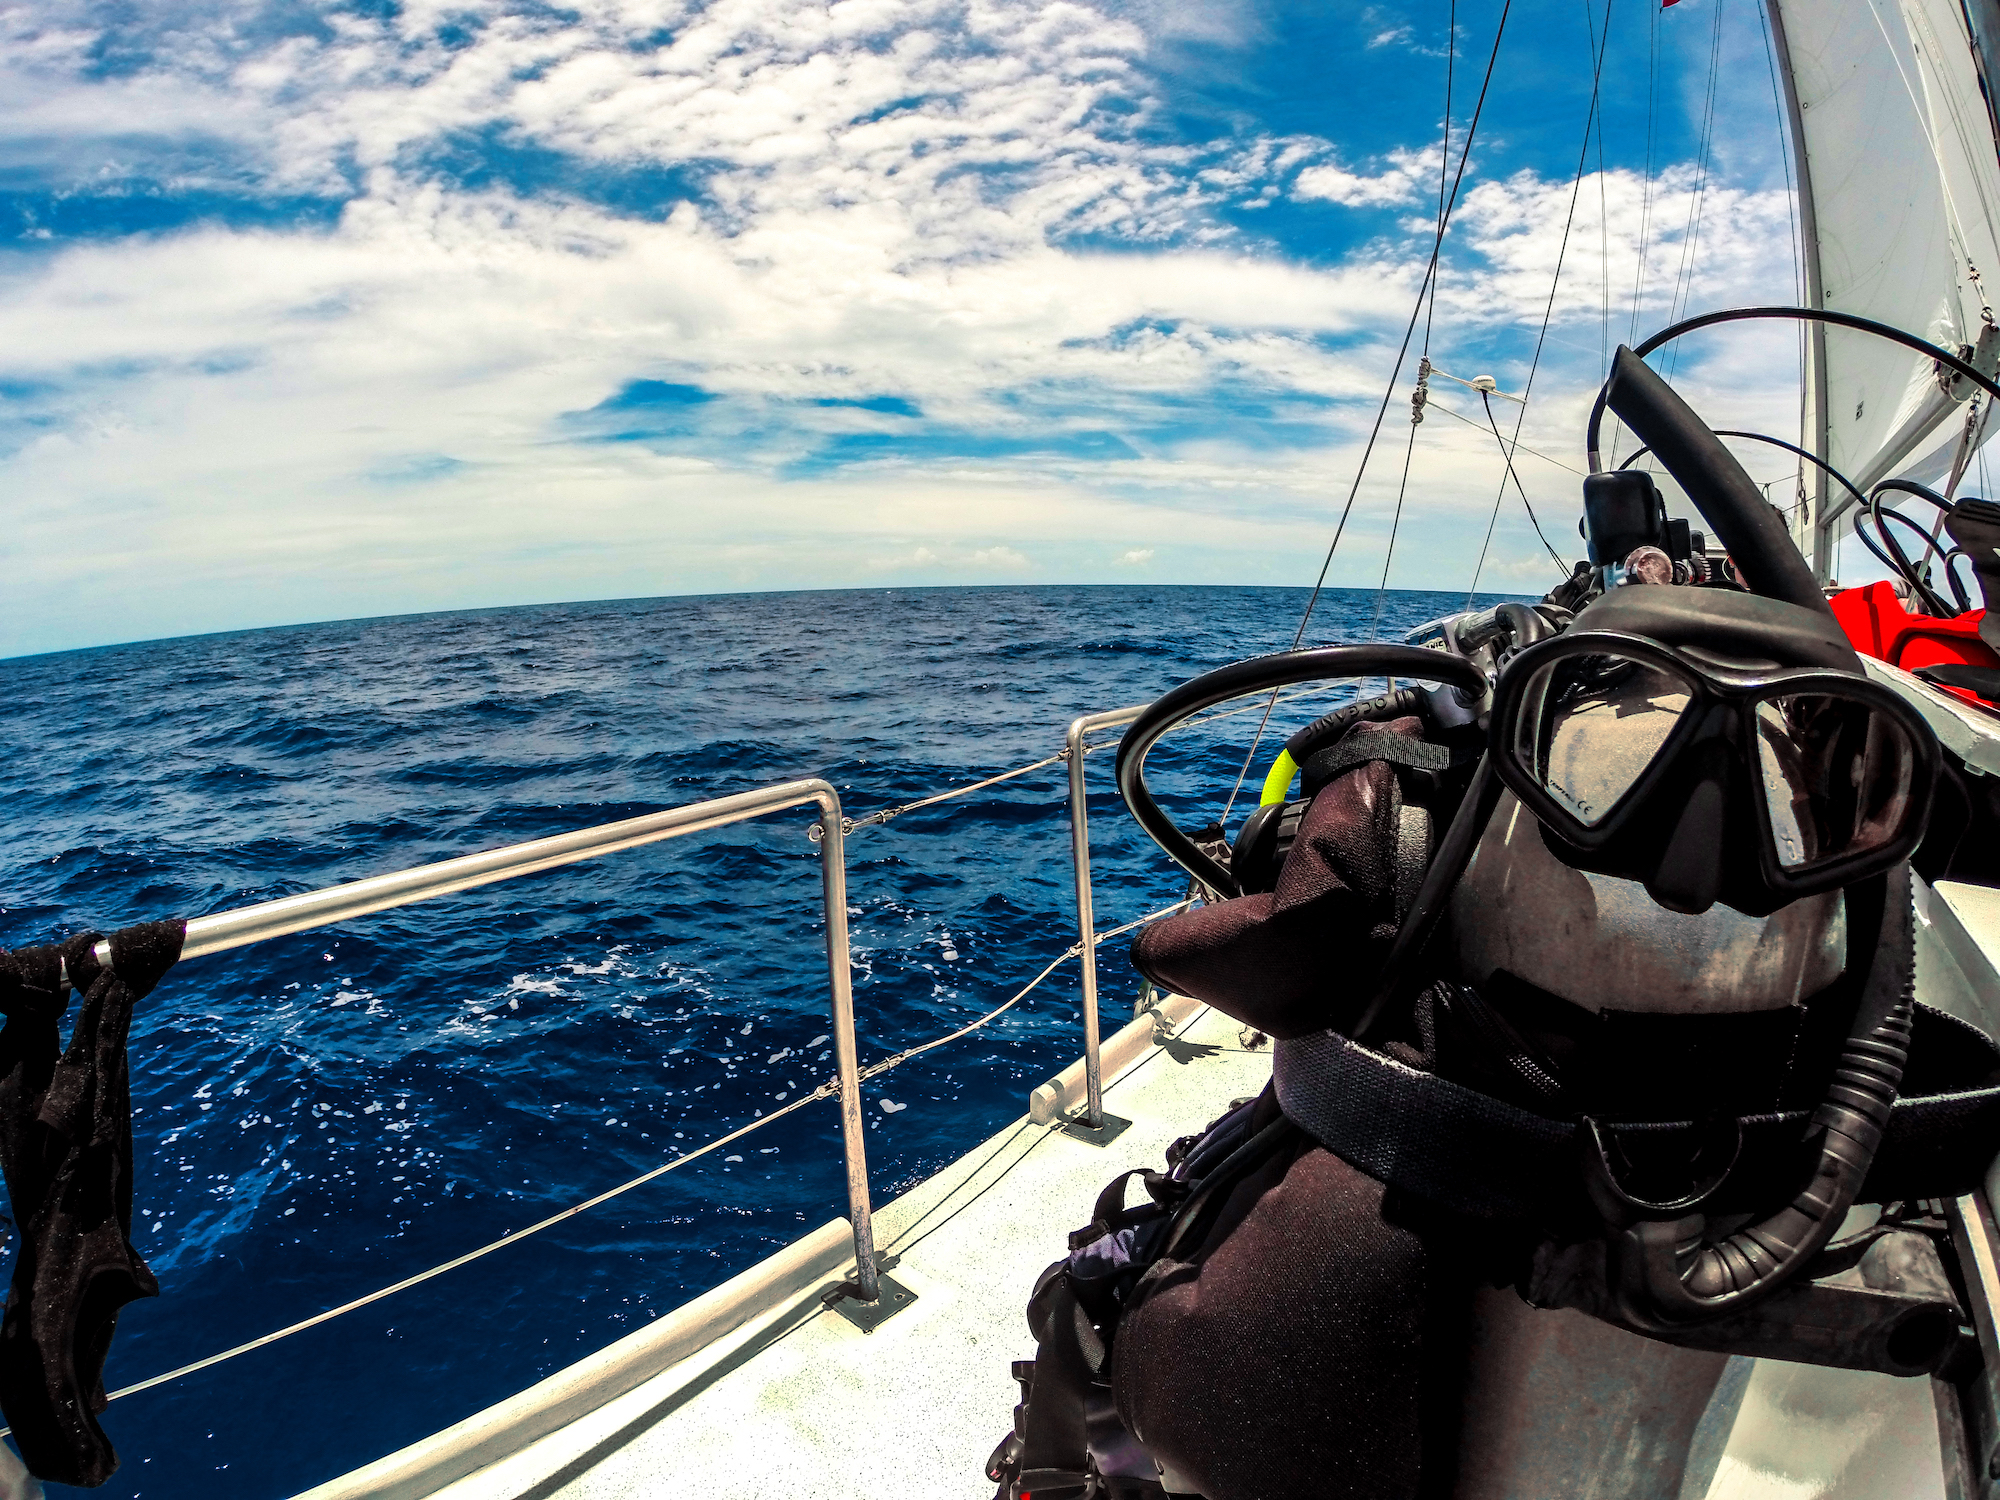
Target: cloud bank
[(395, 309)]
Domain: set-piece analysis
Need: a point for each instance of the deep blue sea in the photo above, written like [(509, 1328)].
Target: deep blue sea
[(321, 1115)]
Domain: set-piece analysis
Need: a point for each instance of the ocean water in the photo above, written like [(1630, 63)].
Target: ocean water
[(321, 1115)]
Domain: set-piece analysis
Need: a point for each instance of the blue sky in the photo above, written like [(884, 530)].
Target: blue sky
[(320, 310)]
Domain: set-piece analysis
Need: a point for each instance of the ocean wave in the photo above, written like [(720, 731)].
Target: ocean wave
[(325, 1113)]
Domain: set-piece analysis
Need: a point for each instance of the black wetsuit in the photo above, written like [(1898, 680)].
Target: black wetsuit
[(66, 1150)]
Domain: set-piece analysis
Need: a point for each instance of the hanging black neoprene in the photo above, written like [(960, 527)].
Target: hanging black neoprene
[(66, 1150)]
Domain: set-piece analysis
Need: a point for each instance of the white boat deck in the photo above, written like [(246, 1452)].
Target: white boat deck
[(758, 1389), (799, 1402)]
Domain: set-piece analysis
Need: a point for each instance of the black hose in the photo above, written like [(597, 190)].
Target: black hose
[(1527, 624), (1912, 572), (1196, 1215), (1899, 561), (1259, 674), (1427, 907), (1794, 314), (1736, 510), (1681, 1279), (1331, 726), (1958, 590), (1793, 448)]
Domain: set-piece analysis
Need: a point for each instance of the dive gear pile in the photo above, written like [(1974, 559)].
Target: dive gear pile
[(1288, 1320)]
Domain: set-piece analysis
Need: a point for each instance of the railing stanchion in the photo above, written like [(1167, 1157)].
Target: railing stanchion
[(254, 924), (1086, 934), (840, 978)]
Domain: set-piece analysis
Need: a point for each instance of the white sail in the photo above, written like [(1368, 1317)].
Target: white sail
[(1899, 187)]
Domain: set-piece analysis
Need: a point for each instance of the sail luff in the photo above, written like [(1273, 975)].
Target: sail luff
[(1814, 418), (1892, 114)]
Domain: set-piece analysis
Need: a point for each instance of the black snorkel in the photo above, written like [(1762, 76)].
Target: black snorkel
[(1662, 1259)]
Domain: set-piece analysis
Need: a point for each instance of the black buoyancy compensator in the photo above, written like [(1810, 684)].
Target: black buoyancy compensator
[(1266, 837), (1067, 1442)]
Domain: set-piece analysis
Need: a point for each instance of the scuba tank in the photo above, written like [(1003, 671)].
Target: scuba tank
[(1590, 981)]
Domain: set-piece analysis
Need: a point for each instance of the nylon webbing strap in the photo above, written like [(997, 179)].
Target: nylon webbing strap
[(1355, 749), (1479, 1155)]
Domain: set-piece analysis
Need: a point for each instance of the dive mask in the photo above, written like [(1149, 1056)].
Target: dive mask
[(1713, 746)]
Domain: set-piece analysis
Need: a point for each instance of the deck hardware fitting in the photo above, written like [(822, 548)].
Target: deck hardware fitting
[(1079, 1128), (892, 1297)]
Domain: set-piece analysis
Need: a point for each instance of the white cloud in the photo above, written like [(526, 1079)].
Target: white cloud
[(884, 198), (1398, 182), (1514, 225), (1004, 559)]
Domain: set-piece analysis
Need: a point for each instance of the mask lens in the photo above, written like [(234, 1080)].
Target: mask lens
[(1593, 725), (1837, 775)]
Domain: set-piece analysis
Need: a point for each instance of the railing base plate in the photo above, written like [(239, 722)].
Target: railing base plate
[(869, 1316), (1113, 1127)]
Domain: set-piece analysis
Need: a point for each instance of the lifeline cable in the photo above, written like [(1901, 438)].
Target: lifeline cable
[(884, 815), (827, 1090)]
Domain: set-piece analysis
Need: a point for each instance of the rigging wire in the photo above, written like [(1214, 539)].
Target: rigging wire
[(1792, 221), (1430, 316), (1646, 186), (1382, 589), (1603, 210), (1691, 237), (1508, 459), (1513, 446), (1549, 307), (1389, 392), (1430, 270)]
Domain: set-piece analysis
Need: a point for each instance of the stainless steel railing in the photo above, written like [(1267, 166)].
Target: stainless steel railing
[(290, 914), (1086, 929), (269, 919)]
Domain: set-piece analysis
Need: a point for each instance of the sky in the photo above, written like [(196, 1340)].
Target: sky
[(316, 309)]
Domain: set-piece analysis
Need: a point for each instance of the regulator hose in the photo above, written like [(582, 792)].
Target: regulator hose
[(1733, 505), (1253, 676), (1666, 1275), (1328, 727)]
